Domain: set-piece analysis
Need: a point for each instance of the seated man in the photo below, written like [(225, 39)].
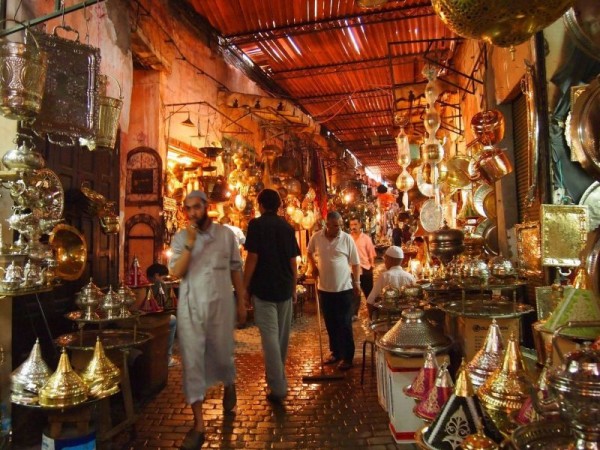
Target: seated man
[(394, 275), (156, 274)]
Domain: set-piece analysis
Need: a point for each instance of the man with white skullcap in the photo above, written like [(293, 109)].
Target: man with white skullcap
[(394, 275), (206, 258)]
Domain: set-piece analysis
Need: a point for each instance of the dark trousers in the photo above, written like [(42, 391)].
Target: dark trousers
[(337, 312), (366, 285)]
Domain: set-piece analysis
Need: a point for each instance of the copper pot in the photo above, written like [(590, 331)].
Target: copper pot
[(492, 165), (488, 126)]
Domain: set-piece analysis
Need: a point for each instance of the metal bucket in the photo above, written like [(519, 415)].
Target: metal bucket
[(23, 70), (108, 116)]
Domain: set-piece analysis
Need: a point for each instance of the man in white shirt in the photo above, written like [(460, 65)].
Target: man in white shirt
[(366, 254), (338, 274), (239, 234), (394, 275)]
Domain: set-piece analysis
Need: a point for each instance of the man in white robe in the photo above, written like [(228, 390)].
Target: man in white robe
[(206, 258)]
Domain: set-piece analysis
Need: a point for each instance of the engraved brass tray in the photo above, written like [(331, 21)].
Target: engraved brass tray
[(111, 339), (564, 232), (543, 435), (70, 105), (485, 308), (529, 252)]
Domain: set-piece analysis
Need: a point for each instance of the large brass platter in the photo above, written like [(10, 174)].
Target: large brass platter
[(485, 308), (564, 232), (585, 133), (529, 252)]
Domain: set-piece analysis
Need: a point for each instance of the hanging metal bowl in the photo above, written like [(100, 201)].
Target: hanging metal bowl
[(585, 134)]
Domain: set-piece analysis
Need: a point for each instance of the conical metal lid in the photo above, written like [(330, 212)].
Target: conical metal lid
[(506, 389), (412, 335), (101, 376), (32, 374), (488, 358), (64, 388)]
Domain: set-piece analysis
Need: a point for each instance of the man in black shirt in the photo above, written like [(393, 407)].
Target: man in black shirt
[(270, 276)]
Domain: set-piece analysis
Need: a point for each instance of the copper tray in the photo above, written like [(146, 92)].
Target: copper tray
[(70, 106), (564, 233)]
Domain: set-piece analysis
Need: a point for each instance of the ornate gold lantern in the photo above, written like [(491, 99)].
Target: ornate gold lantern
[(504, 23)]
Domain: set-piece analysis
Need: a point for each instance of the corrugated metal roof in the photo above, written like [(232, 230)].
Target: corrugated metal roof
[(352, 69)]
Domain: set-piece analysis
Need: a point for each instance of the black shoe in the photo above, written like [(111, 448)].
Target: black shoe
[(345, 365), (193, 440), (275, 399), (331, 360)]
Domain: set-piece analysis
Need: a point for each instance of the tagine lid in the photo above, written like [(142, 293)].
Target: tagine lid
[(412, 335)]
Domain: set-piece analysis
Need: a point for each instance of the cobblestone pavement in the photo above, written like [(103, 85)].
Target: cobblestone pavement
[(332, 414)]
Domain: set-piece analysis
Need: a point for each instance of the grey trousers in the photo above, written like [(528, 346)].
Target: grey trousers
[(274, 320)]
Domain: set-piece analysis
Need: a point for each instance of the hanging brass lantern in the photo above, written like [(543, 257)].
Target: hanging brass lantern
[(504, 23)]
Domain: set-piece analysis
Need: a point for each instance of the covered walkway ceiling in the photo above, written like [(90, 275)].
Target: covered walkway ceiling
[(357, 71)]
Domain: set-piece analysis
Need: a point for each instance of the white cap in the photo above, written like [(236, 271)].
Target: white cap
[(394, 252)]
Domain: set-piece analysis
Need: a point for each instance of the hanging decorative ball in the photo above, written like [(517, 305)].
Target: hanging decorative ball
[(403, 146), (432, 152), (432, 121), (307, 222), (432, 92), (405, 181), (298, 216), (504, 23), (239, 202), (293, 186)]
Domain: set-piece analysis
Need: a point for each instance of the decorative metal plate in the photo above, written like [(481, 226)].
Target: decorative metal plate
[(51, 203), (480, 194), (591, 198), (529, 251), (70, 104), (564, 233), (585, 135)]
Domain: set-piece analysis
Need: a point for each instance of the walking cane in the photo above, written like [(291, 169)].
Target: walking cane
[(322, 376)]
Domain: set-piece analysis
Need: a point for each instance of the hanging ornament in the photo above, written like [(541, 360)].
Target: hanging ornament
[(403, 146), (239, 202), (405, 182)]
